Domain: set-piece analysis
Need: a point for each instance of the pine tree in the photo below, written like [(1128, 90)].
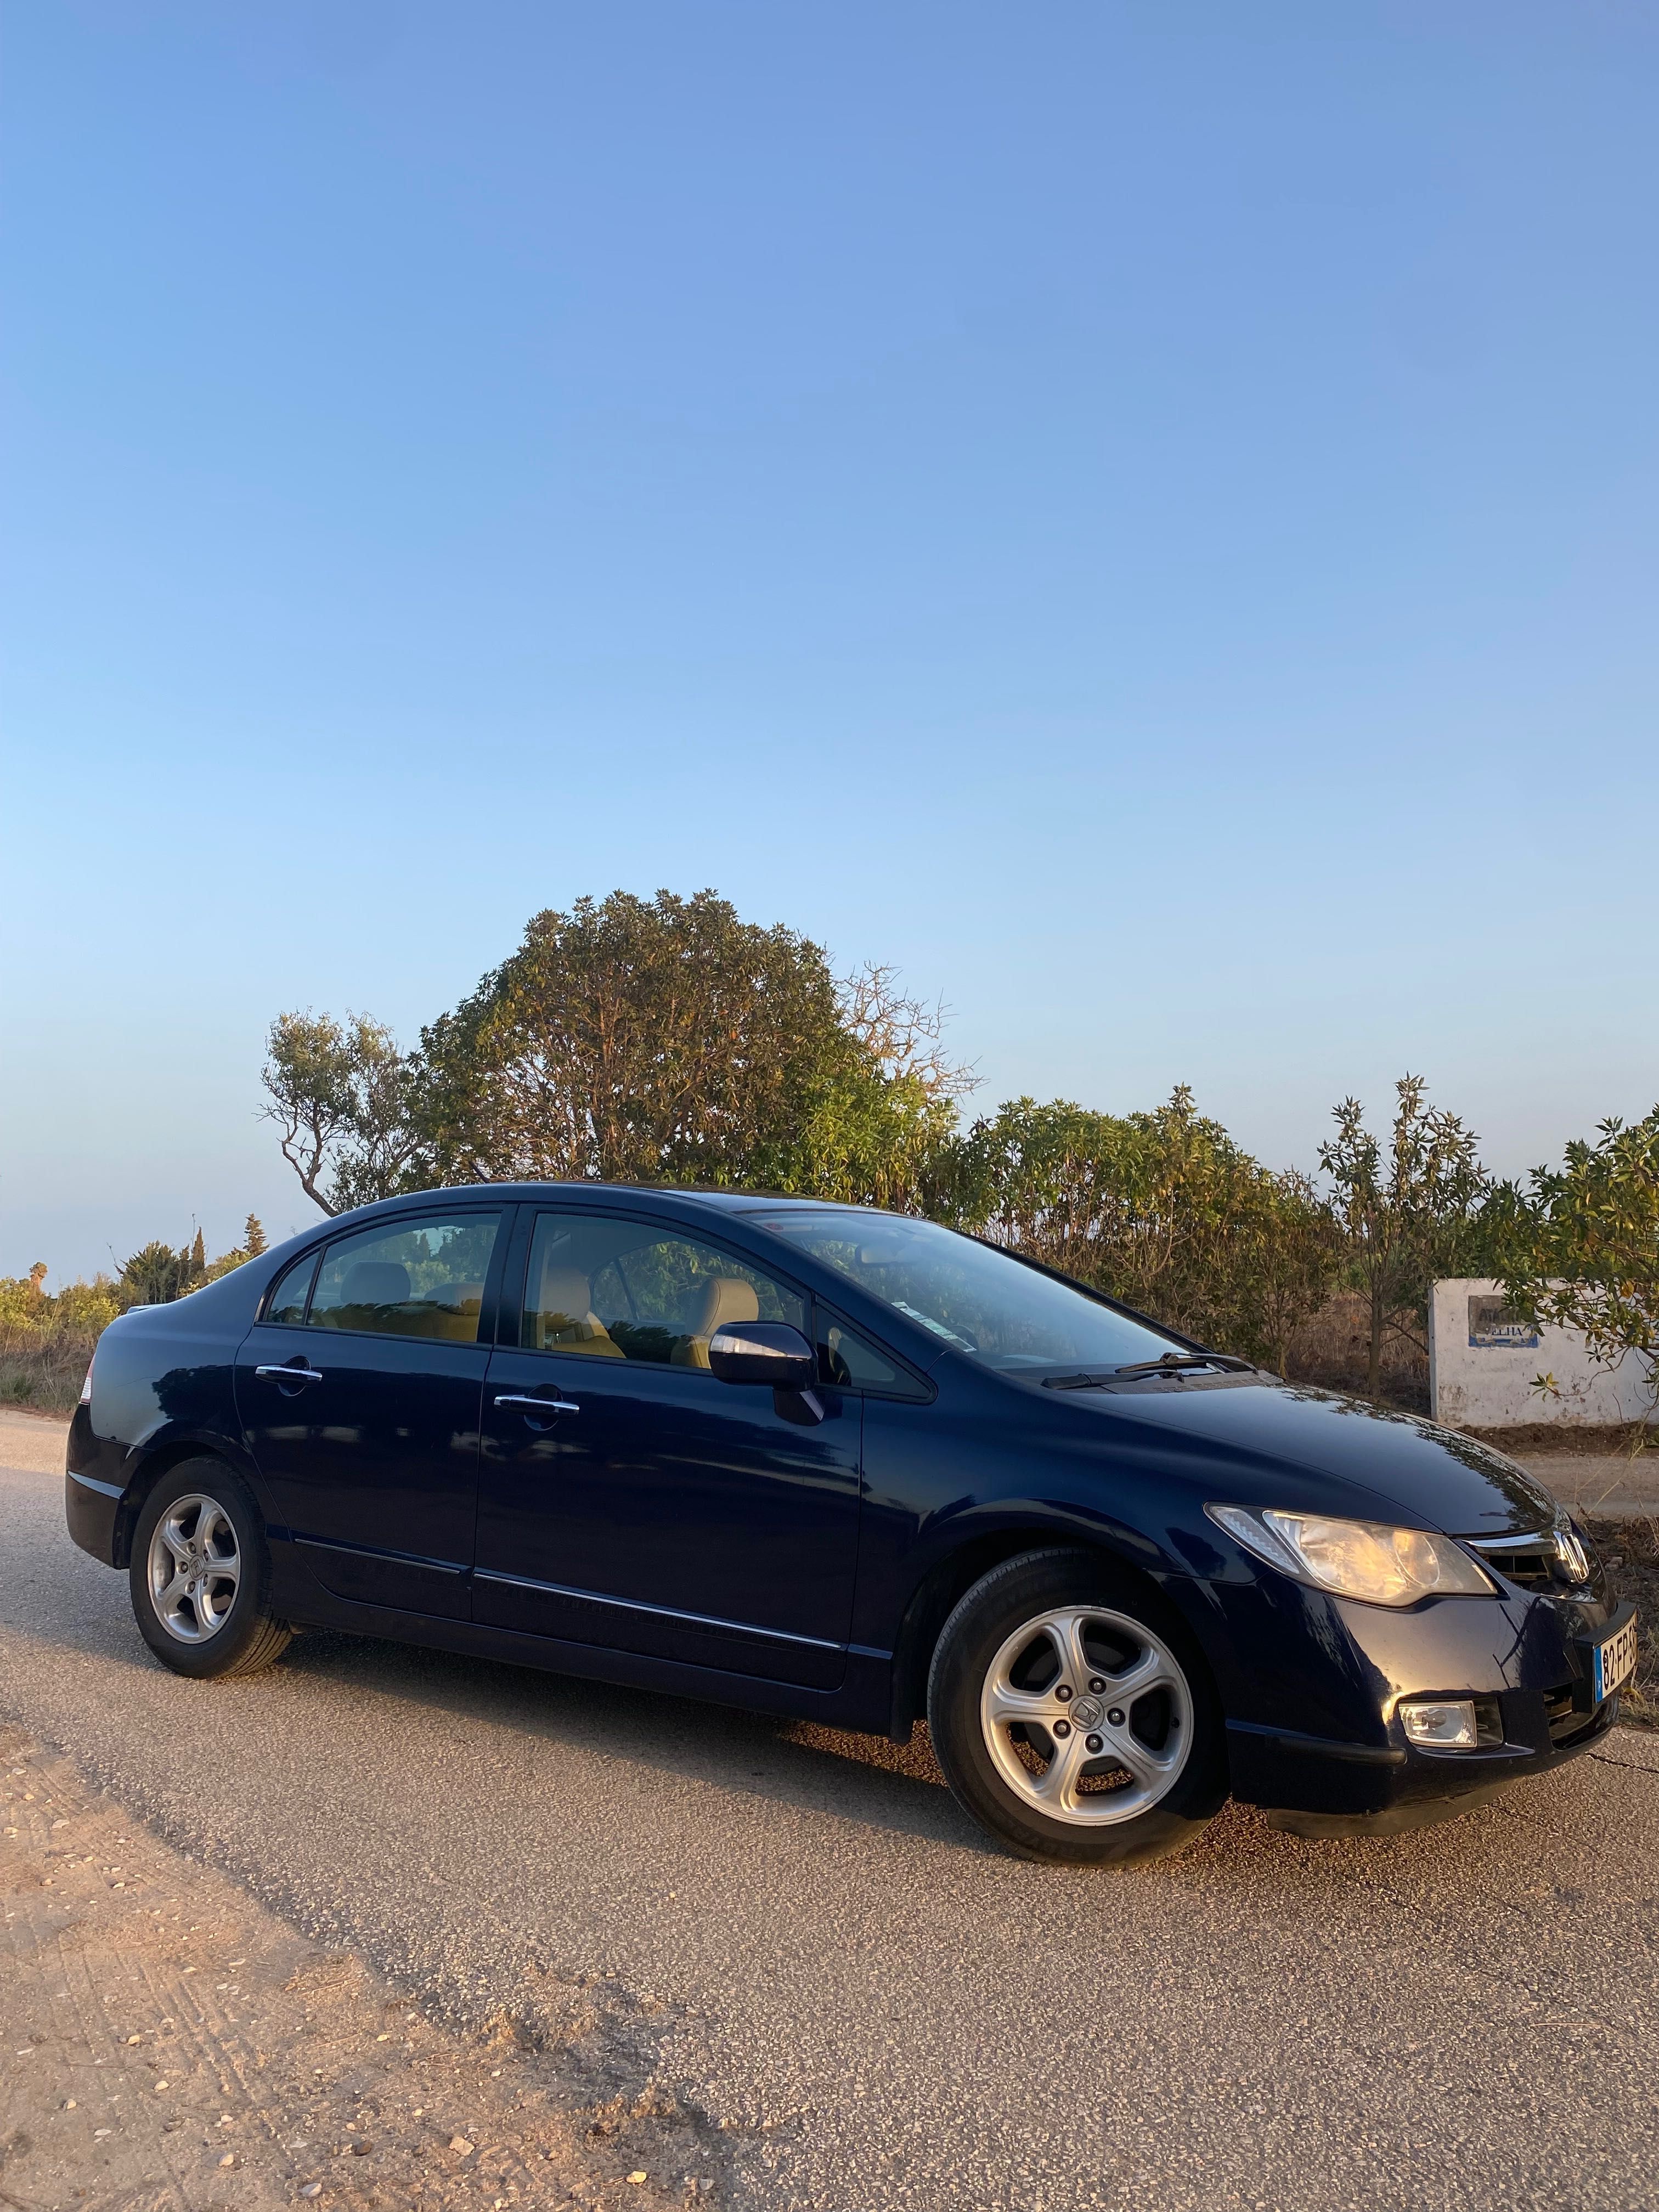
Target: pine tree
[(254, 1237), (197, 1259)]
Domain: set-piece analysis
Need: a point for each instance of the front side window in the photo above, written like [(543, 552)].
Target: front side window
[(969, 1296), (609, 1288), (419, 1279), (847, 1359)]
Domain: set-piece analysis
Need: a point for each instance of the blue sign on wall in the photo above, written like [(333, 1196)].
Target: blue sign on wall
[(1494, 1328)]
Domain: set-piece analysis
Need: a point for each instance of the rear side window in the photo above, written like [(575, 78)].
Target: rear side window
[(419, 1279), (287, 1300)]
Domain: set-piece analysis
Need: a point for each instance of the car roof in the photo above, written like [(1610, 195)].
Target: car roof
[(723, 1201)]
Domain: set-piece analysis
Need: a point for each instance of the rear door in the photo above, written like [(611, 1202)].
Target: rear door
[(359, 1394), (627, 1497)]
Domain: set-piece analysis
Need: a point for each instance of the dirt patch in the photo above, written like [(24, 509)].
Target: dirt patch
[(171, 2047), (1559, 1440), (1630, 1552)]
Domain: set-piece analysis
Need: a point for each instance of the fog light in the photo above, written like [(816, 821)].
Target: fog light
[(1443, 1723)]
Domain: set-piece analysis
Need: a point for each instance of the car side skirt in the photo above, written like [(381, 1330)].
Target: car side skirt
[(861, 1703)]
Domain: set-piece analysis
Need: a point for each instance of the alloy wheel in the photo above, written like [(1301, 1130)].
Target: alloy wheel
[(1087, 1715), (195, 1568)]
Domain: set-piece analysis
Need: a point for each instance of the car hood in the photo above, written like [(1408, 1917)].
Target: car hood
[(1248, 1430)]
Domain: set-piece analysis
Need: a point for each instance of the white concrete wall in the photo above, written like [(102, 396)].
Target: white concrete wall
[(1482, 1365)]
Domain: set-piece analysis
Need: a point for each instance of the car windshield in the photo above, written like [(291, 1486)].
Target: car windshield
[(971, 1297)]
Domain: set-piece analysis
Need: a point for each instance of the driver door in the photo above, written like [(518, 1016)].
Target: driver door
[(627, 1497)]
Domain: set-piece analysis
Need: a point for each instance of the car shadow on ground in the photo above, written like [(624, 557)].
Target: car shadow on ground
[(800, 1764), (865, 1779)]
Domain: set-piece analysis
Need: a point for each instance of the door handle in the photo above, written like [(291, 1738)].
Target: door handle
[(289, 1374), (529, 1405)]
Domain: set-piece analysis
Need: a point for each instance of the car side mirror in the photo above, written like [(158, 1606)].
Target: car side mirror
[(769, 1351)]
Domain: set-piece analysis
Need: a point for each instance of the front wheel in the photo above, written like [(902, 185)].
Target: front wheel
[(200, 1575), (1073, 1715)]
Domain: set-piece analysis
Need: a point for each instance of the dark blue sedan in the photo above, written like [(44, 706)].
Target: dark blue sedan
[(821, 1461)]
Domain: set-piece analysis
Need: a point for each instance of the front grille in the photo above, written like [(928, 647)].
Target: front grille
[(1534, 1569), (1553, 1559)]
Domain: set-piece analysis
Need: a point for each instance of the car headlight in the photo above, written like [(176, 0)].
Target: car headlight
[(1356, 1558)]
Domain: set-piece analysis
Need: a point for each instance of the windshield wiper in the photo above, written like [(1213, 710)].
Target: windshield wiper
[(1172, 1363)]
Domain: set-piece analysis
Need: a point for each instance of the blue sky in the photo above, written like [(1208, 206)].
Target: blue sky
[(1144, 515)]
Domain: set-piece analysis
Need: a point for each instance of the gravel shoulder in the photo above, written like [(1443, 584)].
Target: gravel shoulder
[(169, 2045)]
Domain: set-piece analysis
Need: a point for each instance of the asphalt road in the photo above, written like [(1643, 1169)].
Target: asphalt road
[(871, 2007)]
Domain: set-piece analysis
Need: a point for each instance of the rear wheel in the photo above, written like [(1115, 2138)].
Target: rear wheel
[(1073, 1715), (200, 1575)]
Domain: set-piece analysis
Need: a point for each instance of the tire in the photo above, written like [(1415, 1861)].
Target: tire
[(200, 1575), (1135, 1769)]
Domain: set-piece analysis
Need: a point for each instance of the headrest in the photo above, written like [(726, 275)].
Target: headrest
[(565, 1291), (725, 1297), (458, 1296), (374, 1283)]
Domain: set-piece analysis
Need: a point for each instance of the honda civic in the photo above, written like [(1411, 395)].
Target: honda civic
[(823, 1462)]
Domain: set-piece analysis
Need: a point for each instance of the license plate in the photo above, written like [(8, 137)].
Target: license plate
[(1613, 1662)]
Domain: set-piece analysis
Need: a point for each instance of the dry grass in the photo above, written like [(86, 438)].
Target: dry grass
[(1630, 1550), (1332, 1349), (43, 1368)]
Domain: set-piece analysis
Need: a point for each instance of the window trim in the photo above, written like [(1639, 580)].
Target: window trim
[(926, 1389), (509, 1324), (269, 1296)]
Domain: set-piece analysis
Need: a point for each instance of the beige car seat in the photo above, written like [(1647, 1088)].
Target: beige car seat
[(724, 1298), (451, 1310), (374, 1296), (564, 1317)]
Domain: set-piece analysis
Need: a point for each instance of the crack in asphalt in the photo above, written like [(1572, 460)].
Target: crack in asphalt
[(1629, 1765)]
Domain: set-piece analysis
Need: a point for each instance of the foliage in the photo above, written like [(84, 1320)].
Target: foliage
[(1286, 1252), (659, 1041), (667, 1040), (45, 1341), (1409, 1216), (46, 1338), (25, 1304), (635, 1040), (882, 1127), (1160, 1209), (1580, 1247), (156, 1275), (342, 1097), (656, 1041)]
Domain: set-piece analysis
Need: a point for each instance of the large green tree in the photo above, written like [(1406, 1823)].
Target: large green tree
[(638, 1040), (653, 1041)]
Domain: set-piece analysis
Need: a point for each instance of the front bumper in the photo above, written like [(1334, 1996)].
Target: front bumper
[(1334, 1759)]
